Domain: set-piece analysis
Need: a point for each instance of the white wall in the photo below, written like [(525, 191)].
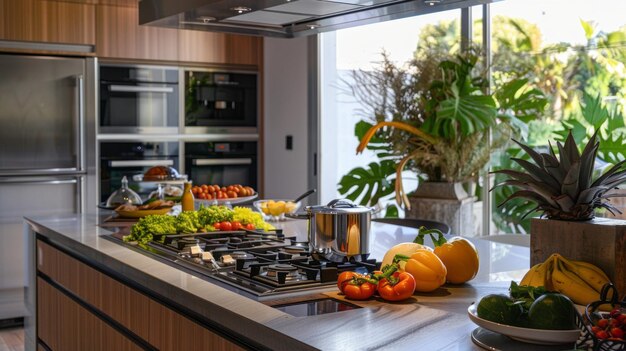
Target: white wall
[(285, 110)]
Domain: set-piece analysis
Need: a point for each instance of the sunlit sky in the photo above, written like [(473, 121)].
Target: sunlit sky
[(559, 21)]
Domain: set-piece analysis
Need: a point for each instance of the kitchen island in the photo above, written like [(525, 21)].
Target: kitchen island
[(128, 300)]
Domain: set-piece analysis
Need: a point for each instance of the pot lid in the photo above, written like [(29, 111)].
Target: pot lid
[(339, 206)]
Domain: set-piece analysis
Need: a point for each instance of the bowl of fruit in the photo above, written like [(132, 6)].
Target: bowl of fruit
[(604, 323), (216, 194), (275, 210)]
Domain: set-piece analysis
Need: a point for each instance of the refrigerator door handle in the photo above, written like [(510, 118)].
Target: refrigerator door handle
[(80, 140), (34, 181)]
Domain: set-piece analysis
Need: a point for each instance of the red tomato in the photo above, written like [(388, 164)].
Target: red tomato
[(344, 277), (250, 226), (398, 287), (355, 286), (226, 226), (236, 225), (217, 225)]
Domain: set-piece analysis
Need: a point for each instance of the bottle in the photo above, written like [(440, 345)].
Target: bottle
[(187, 199)]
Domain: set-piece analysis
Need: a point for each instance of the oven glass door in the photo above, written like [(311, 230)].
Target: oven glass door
[(120, 159), (225, 171), (222, 163), (139, 108), (220, 100), (139, 99)]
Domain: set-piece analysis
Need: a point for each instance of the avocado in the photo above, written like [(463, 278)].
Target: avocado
[(552, 311), (499, 308)]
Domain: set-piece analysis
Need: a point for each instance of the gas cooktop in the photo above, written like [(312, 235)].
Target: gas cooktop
[(259, 263)]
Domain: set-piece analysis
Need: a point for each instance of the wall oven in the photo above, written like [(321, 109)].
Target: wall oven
[(119, 159), (220, 100), (223, 163), (139, 99)]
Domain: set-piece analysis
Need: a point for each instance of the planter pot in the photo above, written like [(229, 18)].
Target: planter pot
[(600, 241), (444, 202)]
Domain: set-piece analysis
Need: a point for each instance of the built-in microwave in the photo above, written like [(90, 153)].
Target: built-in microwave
[(216, 100), (139, 99)]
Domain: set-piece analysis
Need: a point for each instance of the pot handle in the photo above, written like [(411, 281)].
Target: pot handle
[(297, 215), (341, 203)]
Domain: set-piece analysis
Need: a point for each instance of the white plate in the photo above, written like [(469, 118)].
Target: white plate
[(528, 335), (235, 200)]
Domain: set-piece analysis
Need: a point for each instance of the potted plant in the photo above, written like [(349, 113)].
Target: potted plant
[(435, 118), (563, 189)]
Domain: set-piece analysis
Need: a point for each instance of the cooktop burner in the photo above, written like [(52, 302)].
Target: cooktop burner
[(261, 263)]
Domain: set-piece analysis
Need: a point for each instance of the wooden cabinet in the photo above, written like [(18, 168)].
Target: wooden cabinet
[(48, 21), (112, 27), (119, 36), (219, 48), (62, 324), (150, 321)]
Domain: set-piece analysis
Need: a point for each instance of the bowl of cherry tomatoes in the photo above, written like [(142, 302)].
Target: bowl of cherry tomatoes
[(215, 194)]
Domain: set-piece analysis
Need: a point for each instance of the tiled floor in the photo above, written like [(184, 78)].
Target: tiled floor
[(12, 339)]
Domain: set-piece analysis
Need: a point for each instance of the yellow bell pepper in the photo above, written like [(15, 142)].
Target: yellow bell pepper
[(427, 269), (461, 259)]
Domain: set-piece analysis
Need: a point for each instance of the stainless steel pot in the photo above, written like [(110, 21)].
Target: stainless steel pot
[(339, 230)]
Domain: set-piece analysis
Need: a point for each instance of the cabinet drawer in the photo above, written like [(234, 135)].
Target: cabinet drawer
[(158, 325), (63, 324)]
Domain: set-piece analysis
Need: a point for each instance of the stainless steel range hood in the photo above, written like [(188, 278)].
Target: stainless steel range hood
[(284, 18)]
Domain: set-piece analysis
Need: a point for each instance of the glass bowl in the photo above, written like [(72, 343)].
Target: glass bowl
[(275, 209)]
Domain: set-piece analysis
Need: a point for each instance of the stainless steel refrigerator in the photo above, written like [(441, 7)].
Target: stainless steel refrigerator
[(42, 155)]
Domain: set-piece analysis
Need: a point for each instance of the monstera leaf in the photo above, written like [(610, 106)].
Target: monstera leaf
[(370, 183)]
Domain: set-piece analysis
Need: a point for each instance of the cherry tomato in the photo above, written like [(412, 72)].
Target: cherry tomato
[(236, 225), (226, 226), (603, 323), (398, 287), (355, 286), (617, 333), (217, 225), (250, 226), (602, 334)]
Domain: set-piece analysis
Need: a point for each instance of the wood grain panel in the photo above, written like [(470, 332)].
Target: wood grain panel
[(48, 21), (219, 48), (119, 35), (601, 241), (12, 339), (65, 325), (160, 326)]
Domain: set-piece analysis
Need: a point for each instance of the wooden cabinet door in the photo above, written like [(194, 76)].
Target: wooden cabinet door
[(156, 324), (48, 21), (119, 35), (219, 48), (63, 324)]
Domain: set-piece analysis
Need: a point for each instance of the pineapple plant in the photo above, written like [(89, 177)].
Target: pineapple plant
[(562, 186)]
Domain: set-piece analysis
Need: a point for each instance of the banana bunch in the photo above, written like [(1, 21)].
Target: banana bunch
[(578, 280)]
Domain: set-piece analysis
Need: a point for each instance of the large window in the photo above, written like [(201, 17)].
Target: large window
[(361, 48), (574, 51)]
